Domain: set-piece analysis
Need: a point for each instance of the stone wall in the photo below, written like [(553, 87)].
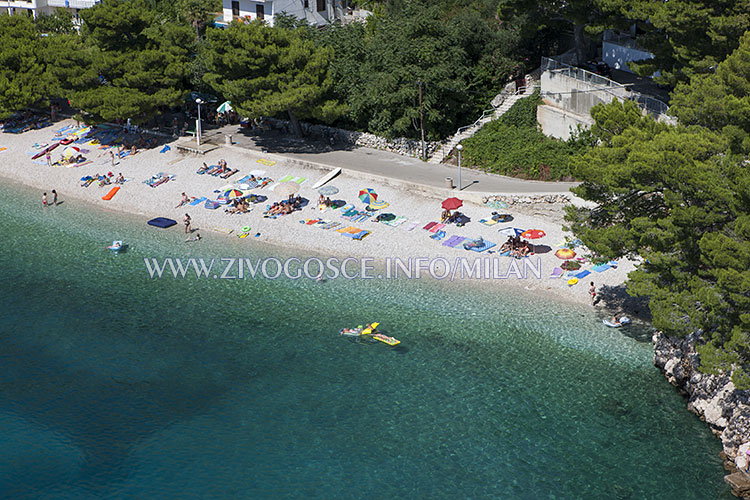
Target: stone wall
[(527, 199), (402, 146), (713, 398)]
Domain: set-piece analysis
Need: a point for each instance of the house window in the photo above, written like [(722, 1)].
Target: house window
[(321, 5), (235, 8), (307, 4), (259, 11)]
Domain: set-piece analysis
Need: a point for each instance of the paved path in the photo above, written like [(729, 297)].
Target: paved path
[(383, 163)]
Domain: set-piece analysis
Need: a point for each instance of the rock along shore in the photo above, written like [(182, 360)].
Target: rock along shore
[(714, 399)]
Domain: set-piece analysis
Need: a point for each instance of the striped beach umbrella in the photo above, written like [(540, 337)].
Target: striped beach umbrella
[(368, 196), (232, 193)]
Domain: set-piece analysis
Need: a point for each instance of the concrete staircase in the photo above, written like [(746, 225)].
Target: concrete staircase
[(500, 104)]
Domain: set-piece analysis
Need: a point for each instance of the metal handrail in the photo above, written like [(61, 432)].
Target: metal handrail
[(485, 114)]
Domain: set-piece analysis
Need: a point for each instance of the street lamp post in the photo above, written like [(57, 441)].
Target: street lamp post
[(459, 148), (198, 122)]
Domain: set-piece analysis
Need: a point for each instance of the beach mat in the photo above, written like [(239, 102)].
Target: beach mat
[(488, 222), (197, 201), (582, 274), (437, 228), (601, 268), (486, 245), (453, 241), (430, 225), (400, 219), (438, 236), (264, 161)]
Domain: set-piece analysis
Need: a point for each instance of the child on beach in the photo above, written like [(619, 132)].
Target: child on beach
[(592, 293), (44, 200)]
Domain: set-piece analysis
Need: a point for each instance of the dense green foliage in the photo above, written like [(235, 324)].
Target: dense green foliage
[(265, 71), (720, 101), (59, 22), (129, 62), (679, 198), (514, 145), (22, 70), (461, 56)]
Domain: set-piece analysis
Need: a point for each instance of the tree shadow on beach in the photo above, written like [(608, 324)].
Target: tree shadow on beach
[(280, 143)]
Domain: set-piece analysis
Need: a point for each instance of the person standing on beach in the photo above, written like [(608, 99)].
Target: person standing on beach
[(44, 200), (186, 219), (112, 156), (592, 293), (54, 197)]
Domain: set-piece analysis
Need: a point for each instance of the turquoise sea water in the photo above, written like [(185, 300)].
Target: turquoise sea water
[(113, 385)]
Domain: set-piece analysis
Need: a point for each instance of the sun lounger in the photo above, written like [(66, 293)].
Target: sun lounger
[(197, 201), (453, 241)]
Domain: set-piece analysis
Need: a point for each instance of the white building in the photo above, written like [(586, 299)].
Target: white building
[(316, 12), (36, 8)]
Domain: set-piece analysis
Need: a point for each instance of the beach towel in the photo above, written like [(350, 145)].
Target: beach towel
[(582, 274), (358, 235), (197, 201), (437, 228), (347, 229), (299, 180), (557, 272), (264, 161), (360, 217), (430, 225), (612, 263), (165, 148), (288, 178), (330, 225), (400, 219), (3, 149), (412, 226), (211, 204), (486, 245), (488, 222), (453, 241), (438, 236), (601, 268)]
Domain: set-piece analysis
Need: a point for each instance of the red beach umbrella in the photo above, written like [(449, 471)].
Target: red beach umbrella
[(452, 203), (533, 234)]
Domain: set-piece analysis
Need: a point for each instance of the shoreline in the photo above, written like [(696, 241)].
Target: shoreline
[(286, 233)]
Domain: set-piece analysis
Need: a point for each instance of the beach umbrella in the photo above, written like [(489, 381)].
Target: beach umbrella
[(225, 107), (232, 193), (510, 231), (533, 234), (571, 265), (368, 196), (70, 151), (378, 205), (565, 254), (328, 190), (452, 203), (286, 188)]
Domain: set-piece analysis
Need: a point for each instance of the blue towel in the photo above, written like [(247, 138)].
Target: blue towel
[(165, 148), (486, 245), (198, 201), (582, 274), (438, 236), (600, 268)]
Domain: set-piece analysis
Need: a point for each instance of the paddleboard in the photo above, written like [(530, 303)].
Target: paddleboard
[(111, 193), (333, 173)]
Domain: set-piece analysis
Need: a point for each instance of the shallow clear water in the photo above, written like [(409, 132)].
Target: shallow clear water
[(113, 385)]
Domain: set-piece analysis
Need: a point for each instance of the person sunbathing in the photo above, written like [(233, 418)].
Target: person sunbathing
[(524, 250), (133, 150), (322, 200), (184, 200), (328, 203), (120, 179), (445, 215), (507, 246)]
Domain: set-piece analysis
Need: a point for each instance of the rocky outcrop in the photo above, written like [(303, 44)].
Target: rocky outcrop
[(713, 398), (527, 199)]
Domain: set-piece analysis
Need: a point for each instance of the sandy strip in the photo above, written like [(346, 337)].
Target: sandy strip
[(384, 241)]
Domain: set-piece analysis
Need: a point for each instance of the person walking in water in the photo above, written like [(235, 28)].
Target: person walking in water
[(54, 197), (186, 219), (592, 293), (44, 200)]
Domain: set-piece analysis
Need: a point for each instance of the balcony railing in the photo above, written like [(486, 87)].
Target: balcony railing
[(72, 4)]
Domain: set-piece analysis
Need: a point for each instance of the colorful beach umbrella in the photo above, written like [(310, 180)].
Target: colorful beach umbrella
[(368, 196), (328, 190), (533, 234), (378, 205), (565, 254), (286, 188), (452, 203), (225, 107), (232, 193), (510, 231), (70, 151)]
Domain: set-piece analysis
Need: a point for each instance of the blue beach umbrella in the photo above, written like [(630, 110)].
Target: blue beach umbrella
[(510, 231)]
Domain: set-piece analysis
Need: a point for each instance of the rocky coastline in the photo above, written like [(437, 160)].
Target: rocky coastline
[(714, 399)]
